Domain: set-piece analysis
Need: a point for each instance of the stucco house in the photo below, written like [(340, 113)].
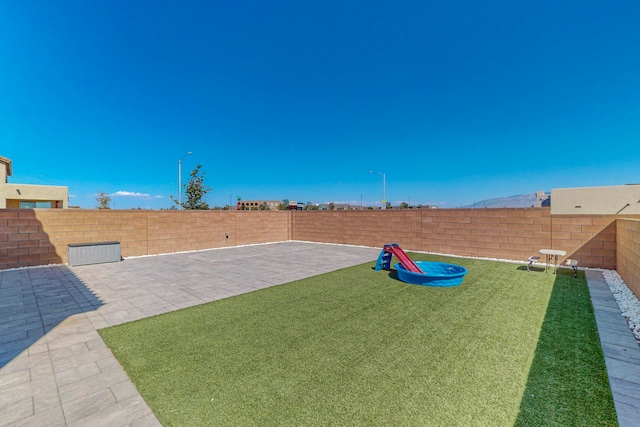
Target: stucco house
[(609, 200), (27, 196)]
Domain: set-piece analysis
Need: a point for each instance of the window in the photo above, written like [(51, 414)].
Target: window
[(35, 205)]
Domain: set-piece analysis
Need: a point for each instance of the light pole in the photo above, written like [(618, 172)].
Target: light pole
[(180, 179), (384, 188)]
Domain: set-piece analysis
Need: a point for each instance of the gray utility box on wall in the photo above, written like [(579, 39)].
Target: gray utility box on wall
[(93, 253)]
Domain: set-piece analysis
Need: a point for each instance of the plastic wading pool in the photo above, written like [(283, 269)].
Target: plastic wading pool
[(434, 274)]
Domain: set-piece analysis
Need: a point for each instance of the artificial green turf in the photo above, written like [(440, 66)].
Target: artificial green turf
[(358, 347), (566, 386)]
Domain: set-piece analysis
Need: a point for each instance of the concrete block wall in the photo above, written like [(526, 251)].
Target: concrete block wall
[(23, 241), (365, 228), (628, 252), (260, 227), (38, 237), (589, 239), (514, 234), (493, 233), (41, 236)]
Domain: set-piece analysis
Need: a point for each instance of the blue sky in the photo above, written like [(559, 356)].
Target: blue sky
[(455, 101)]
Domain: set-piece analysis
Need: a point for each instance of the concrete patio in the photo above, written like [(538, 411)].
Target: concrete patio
[(56, 371)]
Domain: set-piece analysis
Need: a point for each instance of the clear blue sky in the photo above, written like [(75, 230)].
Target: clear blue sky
[(455, 101)]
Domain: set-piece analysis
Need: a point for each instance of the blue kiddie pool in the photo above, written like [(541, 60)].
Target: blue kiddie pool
[(433, 274)]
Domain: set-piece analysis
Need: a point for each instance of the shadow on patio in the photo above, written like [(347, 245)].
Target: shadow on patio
[(33, 301)]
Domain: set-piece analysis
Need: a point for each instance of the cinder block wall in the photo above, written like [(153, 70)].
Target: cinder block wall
[(628, 252), (589, 239), (41, 236), (493, 233), (23, 241), (36, 237)]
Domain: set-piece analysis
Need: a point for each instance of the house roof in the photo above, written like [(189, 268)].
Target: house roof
[(8, 163)]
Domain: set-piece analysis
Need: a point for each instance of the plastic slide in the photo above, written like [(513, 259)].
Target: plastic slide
[(403, 258)]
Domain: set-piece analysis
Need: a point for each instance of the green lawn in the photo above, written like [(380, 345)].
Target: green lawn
[(356, 347)]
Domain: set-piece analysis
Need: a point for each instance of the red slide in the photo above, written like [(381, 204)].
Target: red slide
[(404, 259)]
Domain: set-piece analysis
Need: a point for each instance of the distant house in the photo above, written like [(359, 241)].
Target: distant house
[(255, 204), (334, 206), (27, 196), (293, 205)]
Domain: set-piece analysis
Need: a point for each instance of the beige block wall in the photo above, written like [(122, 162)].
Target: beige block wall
[(23, 241), (494, 233), (514, 234), (40, 236), (628, 253), (589, 239)]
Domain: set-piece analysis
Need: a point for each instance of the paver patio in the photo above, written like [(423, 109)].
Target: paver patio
[(54, 368), (56, 371)]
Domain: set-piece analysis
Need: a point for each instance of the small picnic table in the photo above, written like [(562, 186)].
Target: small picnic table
[(552, 254)]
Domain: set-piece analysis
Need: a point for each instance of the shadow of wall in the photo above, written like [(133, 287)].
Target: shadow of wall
[(589, 239), (565, 384), (33, 301), (40, 237), (24, 241)]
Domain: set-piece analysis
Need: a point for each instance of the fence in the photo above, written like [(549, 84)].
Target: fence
[(41, 236)]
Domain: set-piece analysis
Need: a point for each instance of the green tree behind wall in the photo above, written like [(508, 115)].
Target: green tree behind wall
[(195, 190)]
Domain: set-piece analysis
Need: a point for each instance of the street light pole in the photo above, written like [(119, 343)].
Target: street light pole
[(384, 188), (180, 179)]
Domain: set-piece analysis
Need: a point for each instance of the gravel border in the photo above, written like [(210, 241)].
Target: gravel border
[(627, 301)]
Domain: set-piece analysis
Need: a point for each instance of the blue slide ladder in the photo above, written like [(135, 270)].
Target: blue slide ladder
[(384, 259)]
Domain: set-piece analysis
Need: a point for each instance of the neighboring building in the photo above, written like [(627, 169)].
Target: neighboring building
[(26, 196), (293, 205), (620, 199), (543, 200), (247, 205), (336, 206), (341, 206)]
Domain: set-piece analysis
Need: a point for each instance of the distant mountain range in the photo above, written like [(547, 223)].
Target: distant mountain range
[(519, 201)]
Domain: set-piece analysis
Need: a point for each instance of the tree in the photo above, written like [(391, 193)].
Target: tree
[(264, 206), (103, 200), (331, 206), (195, 190), (388, 205), (404, 205)]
